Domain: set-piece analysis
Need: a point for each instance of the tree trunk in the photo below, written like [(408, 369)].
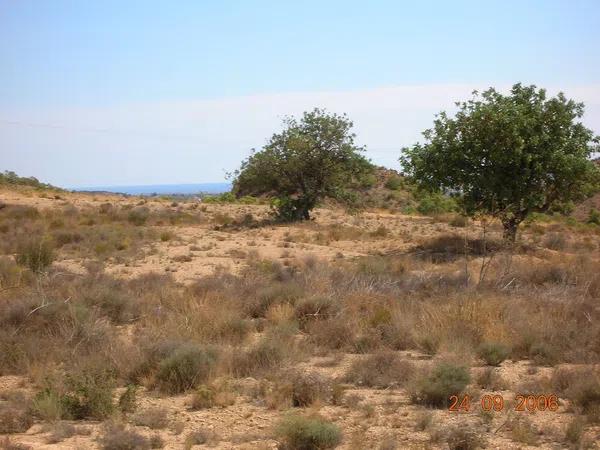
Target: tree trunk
[(510, 230)]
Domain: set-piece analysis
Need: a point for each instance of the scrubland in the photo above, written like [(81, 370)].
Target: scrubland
[(130, 323)]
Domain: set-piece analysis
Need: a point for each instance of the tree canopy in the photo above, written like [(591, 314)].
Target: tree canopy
[(311, 159), (508, 155)]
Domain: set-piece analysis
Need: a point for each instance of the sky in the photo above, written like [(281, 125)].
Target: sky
[(156, 92)]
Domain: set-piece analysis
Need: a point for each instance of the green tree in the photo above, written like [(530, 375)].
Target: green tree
[(311, 159), (508, 155)]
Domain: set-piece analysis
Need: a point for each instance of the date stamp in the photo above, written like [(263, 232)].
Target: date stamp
[(496, 402)]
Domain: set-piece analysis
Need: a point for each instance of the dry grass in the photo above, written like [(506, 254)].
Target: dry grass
[(250, 336)]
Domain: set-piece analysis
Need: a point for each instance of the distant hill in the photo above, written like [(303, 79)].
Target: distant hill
[(582, 210), (389, 189)]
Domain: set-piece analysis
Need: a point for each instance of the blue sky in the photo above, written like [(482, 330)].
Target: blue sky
[(150, 92)]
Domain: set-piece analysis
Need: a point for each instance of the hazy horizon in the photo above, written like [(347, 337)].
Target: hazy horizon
[(158, 189)]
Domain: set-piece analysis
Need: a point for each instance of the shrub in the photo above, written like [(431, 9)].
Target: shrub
[(380, 232), (555, 241), (267, 354), (335, 333), (582, 387), (7, 444), (116, 436), (89, 396), (424, 420), (308, 388), (186, 368), (166, 236), (155, 418), (393, 183), (594, 216), (381, 370), (435, 388), (128, 399), (49, 406), (138, 215), (493, 353), (60, 432), (36, 254), (436, 203), (199, 437), (490, 379), (459, 221), (544, 353), (14, 419), (574, 430), (208, 396), (463, 438), (204, 397), (258, 305), (523, 431), (308, 433), (315, 308)]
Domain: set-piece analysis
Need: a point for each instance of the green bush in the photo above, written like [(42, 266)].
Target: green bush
[(186, 368), (444, 380), (594, 216), (493, 353), (308, 433), (394, 183), (37, 254), (436, 203)]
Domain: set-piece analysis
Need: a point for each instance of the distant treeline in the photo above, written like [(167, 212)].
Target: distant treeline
[(11, 178)]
